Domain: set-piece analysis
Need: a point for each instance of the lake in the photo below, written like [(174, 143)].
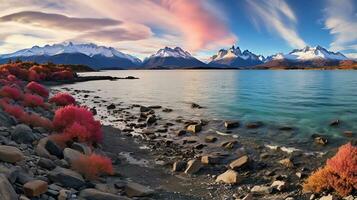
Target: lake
[(305, 100)]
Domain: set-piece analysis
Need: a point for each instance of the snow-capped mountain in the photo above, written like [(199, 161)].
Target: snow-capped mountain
[(309, 53), (69, 53), (234, 57), (172, 58)]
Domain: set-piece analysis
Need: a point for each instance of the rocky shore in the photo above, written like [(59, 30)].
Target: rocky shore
[(185, 159)]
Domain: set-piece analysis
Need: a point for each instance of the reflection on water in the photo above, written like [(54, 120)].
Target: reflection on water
[(308, 100)]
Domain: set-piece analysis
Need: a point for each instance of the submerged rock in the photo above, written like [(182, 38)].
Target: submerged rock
[(195, 105), (231, 124), (254, 125), (335, 122), (319, 139)]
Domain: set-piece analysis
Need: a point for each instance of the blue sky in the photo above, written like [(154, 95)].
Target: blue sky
[(202, 27)]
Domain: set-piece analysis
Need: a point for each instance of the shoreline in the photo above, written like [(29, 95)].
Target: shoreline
[(263, 168)]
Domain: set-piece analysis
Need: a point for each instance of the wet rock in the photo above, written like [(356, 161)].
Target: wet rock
[(239, 162), (335, 122), (348, 133), (194, 128), (254, 125), (211, 159), (228, 144), (181, 133), (193, 166), (150, 119), (231, 124), (261, 189), (210, 139), (144, 109), (111, 106), (200, 146), (35, 188), (66, 177), (54, 149), (178, 166), (137, 190), (10, 154), (279, 185), (167, 110), (229, 177), (23, 134), (46, 163), (195, 105), (319, 139), (94, 111), (71, 155), (94, 194), (7, 192), (155, 107), (287, 162), (286, 128)]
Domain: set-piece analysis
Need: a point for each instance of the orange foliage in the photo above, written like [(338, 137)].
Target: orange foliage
[(11, 92), (37, 88), (93, 166)]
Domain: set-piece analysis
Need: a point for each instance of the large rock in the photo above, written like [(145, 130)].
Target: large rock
[(137, 190), (231, 124), (71, 155), (54, 149), (211, 159), (240, 162), (150, 119), (41, 150), (194, 128), (46, 163), (10, 154), (66, 177), (229, 177), (83, 148), (193, 166), (23, 134), (94, 194), (35, 188), (7, 192), (144, 109)]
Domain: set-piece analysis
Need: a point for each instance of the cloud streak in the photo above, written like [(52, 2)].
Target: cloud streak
[(341, 21), (278, 17)]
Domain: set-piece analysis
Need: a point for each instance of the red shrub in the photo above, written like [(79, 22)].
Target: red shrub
[(62, 99), (38, 89), (66, 116), (36, 120), (33, 76), (62, 75), (93, 166), (60, 139), (11, 78), (340, 173), (18, 71), (32, 100), (11, 92), (14, 110)]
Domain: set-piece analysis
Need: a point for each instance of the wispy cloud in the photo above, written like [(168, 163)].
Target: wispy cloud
[(341, 20), (278, 17)]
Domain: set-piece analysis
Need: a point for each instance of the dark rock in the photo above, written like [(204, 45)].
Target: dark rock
[(210, 139), (348, 133), (193, 166), (286, 128), (231, 124), (94, 111), (83, 148), (178, 166), (10, 173), (46, 163), (54, 149), (200, 146), (66, 177), (155, 107), (7, 192), (137, 190), (150, 119), (111, 106), (167, 110), (181, 132), (144, 109), (23, 134), (335, 123), (195, 105)]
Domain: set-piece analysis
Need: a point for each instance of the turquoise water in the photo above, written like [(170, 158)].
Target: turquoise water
[(306, 100)]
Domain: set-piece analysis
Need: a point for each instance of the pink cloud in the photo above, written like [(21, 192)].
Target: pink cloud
[(200, 27)]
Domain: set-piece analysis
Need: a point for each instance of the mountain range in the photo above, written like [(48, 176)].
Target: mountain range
[(101, 57)]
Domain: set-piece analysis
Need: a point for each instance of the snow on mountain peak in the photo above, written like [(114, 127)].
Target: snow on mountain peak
[(89, 49), (175, 52), (233, 52)]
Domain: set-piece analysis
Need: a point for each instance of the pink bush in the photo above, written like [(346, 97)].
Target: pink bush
[(33, 76), (36, 120), (32, 100), (14, 110), (11, 92), (66, 117), (93, 166), (62, 99), (11, 78), (38, 89)]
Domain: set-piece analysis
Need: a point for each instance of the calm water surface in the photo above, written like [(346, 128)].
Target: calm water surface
[(306, 100)]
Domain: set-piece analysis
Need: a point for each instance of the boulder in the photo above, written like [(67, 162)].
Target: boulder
[(10, 154), (178, 166), (54, 149), (231, 124), (287, 162), (210, 139), (23, 134), (193, 166), (35, 188), (137, 190), (239, 162), (40, 149), (83, 148), (46, 163), (194, 128), (71, 155), (66, 177), (229, 177), (94, 194), (7, 192)]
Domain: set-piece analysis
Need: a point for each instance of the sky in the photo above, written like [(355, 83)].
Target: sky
[(202, 27)]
